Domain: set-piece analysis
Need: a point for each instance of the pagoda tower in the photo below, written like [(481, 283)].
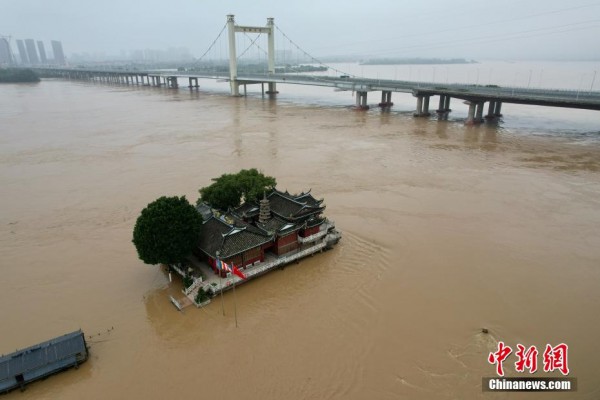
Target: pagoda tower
[(265, 210)]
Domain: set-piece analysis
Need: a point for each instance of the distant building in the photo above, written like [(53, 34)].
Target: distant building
[(22, 52), (32, 51), (42, 51), (59, 56), (5, 53)]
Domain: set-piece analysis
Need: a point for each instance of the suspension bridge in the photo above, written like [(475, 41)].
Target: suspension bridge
[(256, 65)]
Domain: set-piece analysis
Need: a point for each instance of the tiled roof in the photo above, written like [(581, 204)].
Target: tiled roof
[(287, 206), (230, 235), (249, 209), (308, 199), (229, 239), (278, 226), (314, 221), (204, 210)]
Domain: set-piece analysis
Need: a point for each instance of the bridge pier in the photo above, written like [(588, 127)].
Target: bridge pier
[(193, 83), (272, 88), (361, 101), (498, 109), (422, 106), (475, 115), (171, 82), (386, 98), (479, 111), (444, 105), (491, 110)]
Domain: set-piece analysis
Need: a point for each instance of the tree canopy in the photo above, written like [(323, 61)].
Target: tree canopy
[(12, 75), (228, 190), (167, 230)]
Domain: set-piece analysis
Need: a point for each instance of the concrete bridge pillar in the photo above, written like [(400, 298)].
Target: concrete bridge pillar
[(475, 112), (272, 88), (172, 82), (444, 105), (479, 111), (471, 115), (498, 109), (419, 111), (234, 86), (491, 109), (193, 83), (386, 98), (271, 54), (361, 101), (422, 106)]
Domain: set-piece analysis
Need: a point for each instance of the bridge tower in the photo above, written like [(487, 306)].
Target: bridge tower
[(232, 29)]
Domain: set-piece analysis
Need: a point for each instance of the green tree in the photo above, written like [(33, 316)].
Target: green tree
[(12, 75), (228, 190), (166, 231)]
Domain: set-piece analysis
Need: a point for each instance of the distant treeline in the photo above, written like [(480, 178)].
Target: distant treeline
[(13, 75), (254, 68), (299, 68), (402, 61)]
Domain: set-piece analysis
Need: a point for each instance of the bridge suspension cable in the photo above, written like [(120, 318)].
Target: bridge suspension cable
[(212, 44), (308, 55), (252, 43)]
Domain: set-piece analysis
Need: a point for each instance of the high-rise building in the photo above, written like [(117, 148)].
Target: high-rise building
[(22, 52), (42, 51), (32, 51), (59, 56), (5, 53)]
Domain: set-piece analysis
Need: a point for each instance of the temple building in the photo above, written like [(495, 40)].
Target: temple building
[(279, 224)]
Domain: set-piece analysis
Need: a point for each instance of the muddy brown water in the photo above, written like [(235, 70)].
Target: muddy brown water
[(447, 229)]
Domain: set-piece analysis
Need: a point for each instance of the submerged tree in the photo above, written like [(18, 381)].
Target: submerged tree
[(229, 189), (166, 231)]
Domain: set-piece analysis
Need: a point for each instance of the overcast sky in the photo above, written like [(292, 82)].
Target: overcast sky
[(507, 29)]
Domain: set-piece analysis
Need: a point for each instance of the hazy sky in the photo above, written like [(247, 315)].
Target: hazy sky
[(507, 29)]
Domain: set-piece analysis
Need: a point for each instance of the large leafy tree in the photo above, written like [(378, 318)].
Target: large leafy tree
[(228, 190), (166, 231)]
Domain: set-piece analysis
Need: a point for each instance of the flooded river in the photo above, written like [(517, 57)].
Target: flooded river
[(447, 229)]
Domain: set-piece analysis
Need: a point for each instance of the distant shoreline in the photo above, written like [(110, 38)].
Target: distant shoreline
[(415, 61), (15, 75)]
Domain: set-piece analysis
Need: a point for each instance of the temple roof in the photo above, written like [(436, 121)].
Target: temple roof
[(248, 209), (294, 207), (229, 238), (230, 235), (204, 210), (278, 226)]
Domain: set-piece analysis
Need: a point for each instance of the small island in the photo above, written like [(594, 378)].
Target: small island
[(416, 61), (17, 75), (240, 228)]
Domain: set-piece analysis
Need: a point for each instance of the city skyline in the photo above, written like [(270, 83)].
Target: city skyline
[(383, 28)]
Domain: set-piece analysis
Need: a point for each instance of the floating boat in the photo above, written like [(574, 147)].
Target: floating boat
[(32, 363)]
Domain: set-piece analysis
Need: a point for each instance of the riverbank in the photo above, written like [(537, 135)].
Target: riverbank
[(17, 75)]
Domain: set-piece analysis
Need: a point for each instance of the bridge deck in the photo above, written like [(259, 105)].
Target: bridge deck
[(477, 93)]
